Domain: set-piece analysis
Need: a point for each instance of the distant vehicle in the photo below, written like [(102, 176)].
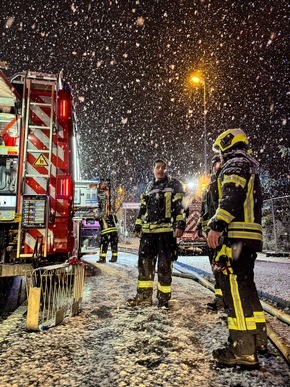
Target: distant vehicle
[(190, 243), (90, 235), (92, 200)]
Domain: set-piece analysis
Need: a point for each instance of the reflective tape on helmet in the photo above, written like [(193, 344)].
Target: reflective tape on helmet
[(229, 138)]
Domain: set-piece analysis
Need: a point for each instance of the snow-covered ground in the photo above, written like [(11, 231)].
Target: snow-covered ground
[(111, 345)]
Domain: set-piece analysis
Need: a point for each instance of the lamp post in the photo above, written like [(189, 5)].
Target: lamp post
[(197, 79)]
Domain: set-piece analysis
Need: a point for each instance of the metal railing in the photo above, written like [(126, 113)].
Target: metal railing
[(54, 292), (276, 220)]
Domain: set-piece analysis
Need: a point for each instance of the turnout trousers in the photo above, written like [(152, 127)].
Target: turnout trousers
[(160, 248), (246, 320), (217, 275), (112, 238)]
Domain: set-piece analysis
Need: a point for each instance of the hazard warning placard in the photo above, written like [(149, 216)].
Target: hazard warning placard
[(41, 161)]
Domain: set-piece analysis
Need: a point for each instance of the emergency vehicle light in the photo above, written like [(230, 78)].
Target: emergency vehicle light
[(63, 108), (65, 188)]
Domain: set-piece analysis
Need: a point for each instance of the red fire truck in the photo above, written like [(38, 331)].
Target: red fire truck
[(39, 166)]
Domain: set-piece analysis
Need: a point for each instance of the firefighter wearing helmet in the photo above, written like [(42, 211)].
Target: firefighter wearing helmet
[(236, 234)]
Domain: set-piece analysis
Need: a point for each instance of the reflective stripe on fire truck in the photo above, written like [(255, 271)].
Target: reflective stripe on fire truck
[(38, 140), (31, 238), (39, 144), (191, 221)]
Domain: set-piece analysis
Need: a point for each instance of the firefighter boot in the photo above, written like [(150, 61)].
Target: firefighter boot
[(163, 304), (228, 357), (114, 258), (241, 351), (261, 338), (102, 259), (139, 300), (216, 304)]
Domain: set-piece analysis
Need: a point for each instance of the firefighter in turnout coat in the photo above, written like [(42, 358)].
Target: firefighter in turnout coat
[(236, 234), (160, 221), (208, 208), (109, 234)]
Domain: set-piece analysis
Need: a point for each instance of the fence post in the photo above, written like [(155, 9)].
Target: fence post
[(274, 223), (79, 279), (32, 320)]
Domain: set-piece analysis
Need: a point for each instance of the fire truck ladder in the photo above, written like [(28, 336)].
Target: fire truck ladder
[(37, 164)]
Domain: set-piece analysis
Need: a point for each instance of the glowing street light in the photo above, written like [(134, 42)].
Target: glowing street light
[(197, 79)]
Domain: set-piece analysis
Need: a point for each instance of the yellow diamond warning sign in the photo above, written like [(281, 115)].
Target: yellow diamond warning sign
[(41, 161)]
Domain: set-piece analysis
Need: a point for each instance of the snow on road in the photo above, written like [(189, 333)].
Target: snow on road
[(111, 345), (271, 274)]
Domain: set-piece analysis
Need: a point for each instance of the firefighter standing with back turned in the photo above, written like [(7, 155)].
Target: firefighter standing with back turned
[(208, 209), (236, 233), (109, 234), (160, 221)]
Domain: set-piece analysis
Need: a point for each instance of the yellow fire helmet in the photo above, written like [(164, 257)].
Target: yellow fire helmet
[(229, 139)]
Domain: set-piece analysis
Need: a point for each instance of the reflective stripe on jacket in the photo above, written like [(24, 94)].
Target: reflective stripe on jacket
[(239, 212), (108, 224), (161, 207)]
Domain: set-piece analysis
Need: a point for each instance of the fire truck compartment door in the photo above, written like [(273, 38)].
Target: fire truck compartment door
[(7, 207)]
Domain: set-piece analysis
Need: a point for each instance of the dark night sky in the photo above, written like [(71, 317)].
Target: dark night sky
[(129, 61)]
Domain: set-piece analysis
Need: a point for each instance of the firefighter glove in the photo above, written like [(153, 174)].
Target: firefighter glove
[(222, 261)]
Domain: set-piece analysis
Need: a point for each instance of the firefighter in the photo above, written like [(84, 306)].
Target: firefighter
[(109, 234), (160, 221), (208, 208), (236, 234)]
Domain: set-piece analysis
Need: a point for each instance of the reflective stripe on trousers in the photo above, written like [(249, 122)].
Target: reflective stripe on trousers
[(152, 247)]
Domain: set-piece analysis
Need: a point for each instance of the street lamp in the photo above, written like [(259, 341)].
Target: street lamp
[(198, 79)]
